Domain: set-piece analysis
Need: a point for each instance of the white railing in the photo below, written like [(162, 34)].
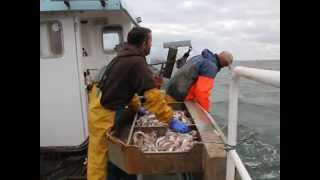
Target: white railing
[(264, 76)]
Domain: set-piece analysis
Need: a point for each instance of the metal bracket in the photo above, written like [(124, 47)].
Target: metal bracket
[(228, 147), (103, 3), (67, 3)]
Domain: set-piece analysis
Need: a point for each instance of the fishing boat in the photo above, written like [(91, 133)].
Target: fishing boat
[(77, 38)]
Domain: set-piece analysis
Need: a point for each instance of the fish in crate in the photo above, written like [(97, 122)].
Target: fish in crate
[(169, 142)]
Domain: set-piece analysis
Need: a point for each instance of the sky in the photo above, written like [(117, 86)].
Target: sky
[(249, 29)]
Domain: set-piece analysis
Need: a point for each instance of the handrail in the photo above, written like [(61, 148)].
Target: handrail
[(269, 77)]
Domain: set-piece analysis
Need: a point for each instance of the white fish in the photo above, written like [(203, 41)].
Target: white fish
[(150, 120), (170, 142)]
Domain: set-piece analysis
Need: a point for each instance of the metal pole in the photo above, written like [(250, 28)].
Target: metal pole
[(260, 75), (171, 59), (240, 167), (232, 123), (264, 76)]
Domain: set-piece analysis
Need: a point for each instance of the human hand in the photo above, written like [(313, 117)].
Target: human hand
[(158, 81)]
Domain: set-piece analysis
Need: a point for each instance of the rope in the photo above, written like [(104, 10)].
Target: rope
[(228, 147)]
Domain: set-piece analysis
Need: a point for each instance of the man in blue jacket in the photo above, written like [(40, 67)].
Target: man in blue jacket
[(195, 80)]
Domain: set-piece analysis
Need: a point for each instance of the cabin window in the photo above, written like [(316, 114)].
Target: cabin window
[(51, 43), (111, 38)]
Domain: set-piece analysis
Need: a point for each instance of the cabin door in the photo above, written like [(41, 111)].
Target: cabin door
[(62, 117)]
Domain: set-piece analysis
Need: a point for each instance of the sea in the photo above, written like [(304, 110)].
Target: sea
[(258, 119)]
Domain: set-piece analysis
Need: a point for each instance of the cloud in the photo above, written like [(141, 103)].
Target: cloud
[(186, 4), (248, 28)]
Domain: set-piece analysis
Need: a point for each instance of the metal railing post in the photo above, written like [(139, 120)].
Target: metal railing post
[(232, 123), (240, 166), (260, 75)]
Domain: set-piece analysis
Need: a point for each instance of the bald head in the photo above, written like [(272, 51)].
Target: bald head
[(225, 58)]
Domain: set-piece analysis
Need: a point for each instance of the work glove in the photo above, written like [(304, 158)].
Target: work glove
[(142, 111), (178, 126)]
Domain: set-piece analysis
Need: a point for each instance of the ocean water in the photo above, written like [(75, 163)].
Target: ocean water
[(258, 120)]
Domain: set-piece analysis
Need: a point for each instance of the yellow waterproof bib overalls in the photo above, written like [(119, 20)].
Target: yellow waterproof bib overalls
[(100, 119)]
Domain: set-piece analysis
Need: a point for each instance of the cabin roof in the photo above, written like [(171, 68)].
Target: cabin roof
[(83, 5)]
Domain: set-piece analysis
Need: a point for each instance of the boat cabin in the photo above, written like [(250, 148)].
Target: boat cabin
[(77, 38)]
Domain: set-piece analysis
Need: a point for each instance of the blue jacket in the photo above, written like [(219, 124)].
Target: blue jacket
[(206, 64)]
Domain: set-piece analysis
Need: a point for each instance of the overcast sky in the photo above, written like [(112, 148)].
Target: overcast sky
[(250, 29)]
